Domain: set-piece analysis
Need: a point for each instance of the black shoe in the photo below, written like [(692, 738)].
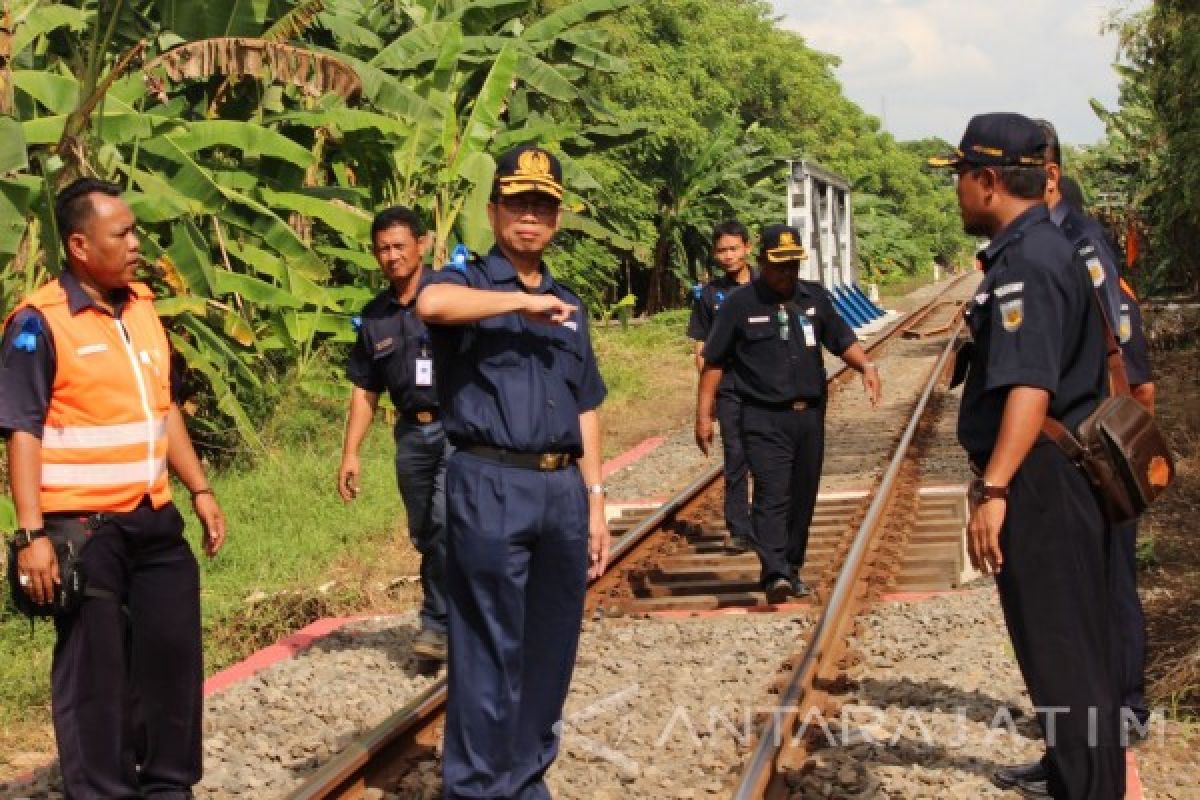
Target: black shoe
[(778, 590), (800, 588), (738, 544), (1013, 777)]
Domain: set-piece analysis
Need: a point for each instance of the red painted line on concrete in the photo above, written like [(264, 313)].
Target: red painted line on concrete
[(1133, 779), (629, 456), (285, 648)]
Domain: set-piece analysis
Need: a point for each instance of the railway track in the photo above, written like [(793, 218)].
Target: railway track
[(674, 558)]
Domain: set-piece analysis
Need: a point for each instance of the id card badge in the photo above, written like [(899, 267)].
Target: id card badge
[(424, 372), (810, 333)]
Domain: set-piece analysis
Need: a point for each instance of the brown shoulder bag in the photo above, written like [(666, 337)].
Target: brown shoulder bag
[(1118, 446)]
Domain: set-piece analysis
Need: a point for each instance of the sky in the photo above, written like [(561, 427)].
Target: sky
[(926, 66)]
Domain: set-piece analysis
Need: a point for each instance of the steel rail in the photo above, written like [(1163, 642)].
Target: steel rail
[(348, 774), (760, 771)]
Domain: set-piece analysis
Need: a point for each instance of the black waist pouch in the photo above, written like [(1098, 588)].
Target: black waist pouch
[(69, 535)]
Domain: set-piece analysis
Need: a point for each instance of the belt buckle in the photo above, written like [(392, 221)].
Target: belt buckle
[(424, 417), (548, 462), (800, 405)]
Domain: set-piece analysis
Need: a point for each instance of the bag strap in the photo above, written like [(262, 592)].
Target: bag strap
[(1118, 384)]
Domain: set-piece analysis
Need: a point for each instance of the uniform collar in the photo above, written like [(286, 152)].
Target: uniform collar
[(390, 292), (500, 269), (723, 281), (1012, 232), (1058, 214), (78, 299)]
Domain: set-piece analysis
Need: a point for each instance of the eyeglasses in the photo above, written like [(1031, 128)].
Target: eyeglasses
[(536, 204)]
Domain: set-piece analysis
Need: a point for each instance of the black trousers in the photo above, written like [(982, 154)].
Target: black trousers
[(1129, 623), (785, 450), (127, 679), (1054, 588), (737, 484)]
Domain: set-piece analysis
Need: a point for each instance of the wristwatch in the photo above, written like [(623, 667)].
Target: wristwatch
[(982, 492), (23, 537), (598, 488)]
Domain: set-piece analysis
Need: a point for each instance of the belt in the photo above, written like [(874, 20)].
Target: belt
[(544, 462), (423, 416), (795, 405)]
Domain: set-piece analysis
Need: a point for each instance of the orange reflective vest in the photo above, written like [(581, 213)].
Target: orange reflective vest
[(105, 442)]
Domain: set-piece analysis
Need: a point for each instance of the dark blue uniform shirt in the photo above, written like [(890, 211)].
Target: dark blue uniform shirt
[(1132, 338), (27, 371), (390, 341), (1092, 245), (704, 311), (773, 344), (1034, 323), (510, 382)]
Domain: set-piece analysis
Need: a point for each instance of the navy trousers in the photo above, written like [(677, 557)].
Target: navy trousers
[(516, 574), (106, 659), (1055, 592), (786, 450), (421, 454), (1128, 620), (737, 484)]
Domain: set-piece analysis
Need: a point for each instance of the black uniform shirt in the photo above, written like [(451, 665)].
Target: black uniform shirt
[(1132, 338), (1034, 323), (773, 347), (27, 371), (704, 310), (507, 381), (1092, 245), (390, 341)]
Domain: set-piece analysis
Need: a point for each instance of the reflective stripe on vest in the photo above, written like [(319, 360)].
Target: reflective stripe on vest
[(104, 445)]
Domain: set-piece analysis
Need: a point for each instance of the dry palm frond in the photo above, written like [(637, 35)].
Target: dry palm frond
[(314, 73), (295, 23)]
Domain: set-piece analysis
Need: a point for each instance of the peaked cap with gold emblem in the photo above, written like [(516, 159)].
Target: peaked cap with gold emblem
[(529, 168), (998, 140), (781, 243)]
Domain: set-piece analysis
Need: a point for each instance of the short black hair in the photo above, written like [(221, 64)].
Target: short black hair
[(72, 206), (394, 216), (730, 227), (1027, 183), (1053, 152)]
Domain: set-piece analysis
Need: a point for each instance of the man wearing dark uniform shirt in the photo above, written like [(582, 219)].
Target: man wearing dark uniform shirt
[(393, 352), (769, 335), (1038, 349), (731, 248), (520, 391), (1128, 617)]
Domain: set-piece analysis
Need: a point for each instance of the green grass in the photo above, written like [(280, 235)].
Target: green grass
[(629, 357)]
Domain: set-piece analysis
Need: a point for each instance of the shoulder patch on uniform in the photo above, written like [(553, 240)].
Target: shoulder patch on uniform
[(1096, 270), (1012, 314), (1125, 328), (1009, 288), (26, 340), (459, 257)]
